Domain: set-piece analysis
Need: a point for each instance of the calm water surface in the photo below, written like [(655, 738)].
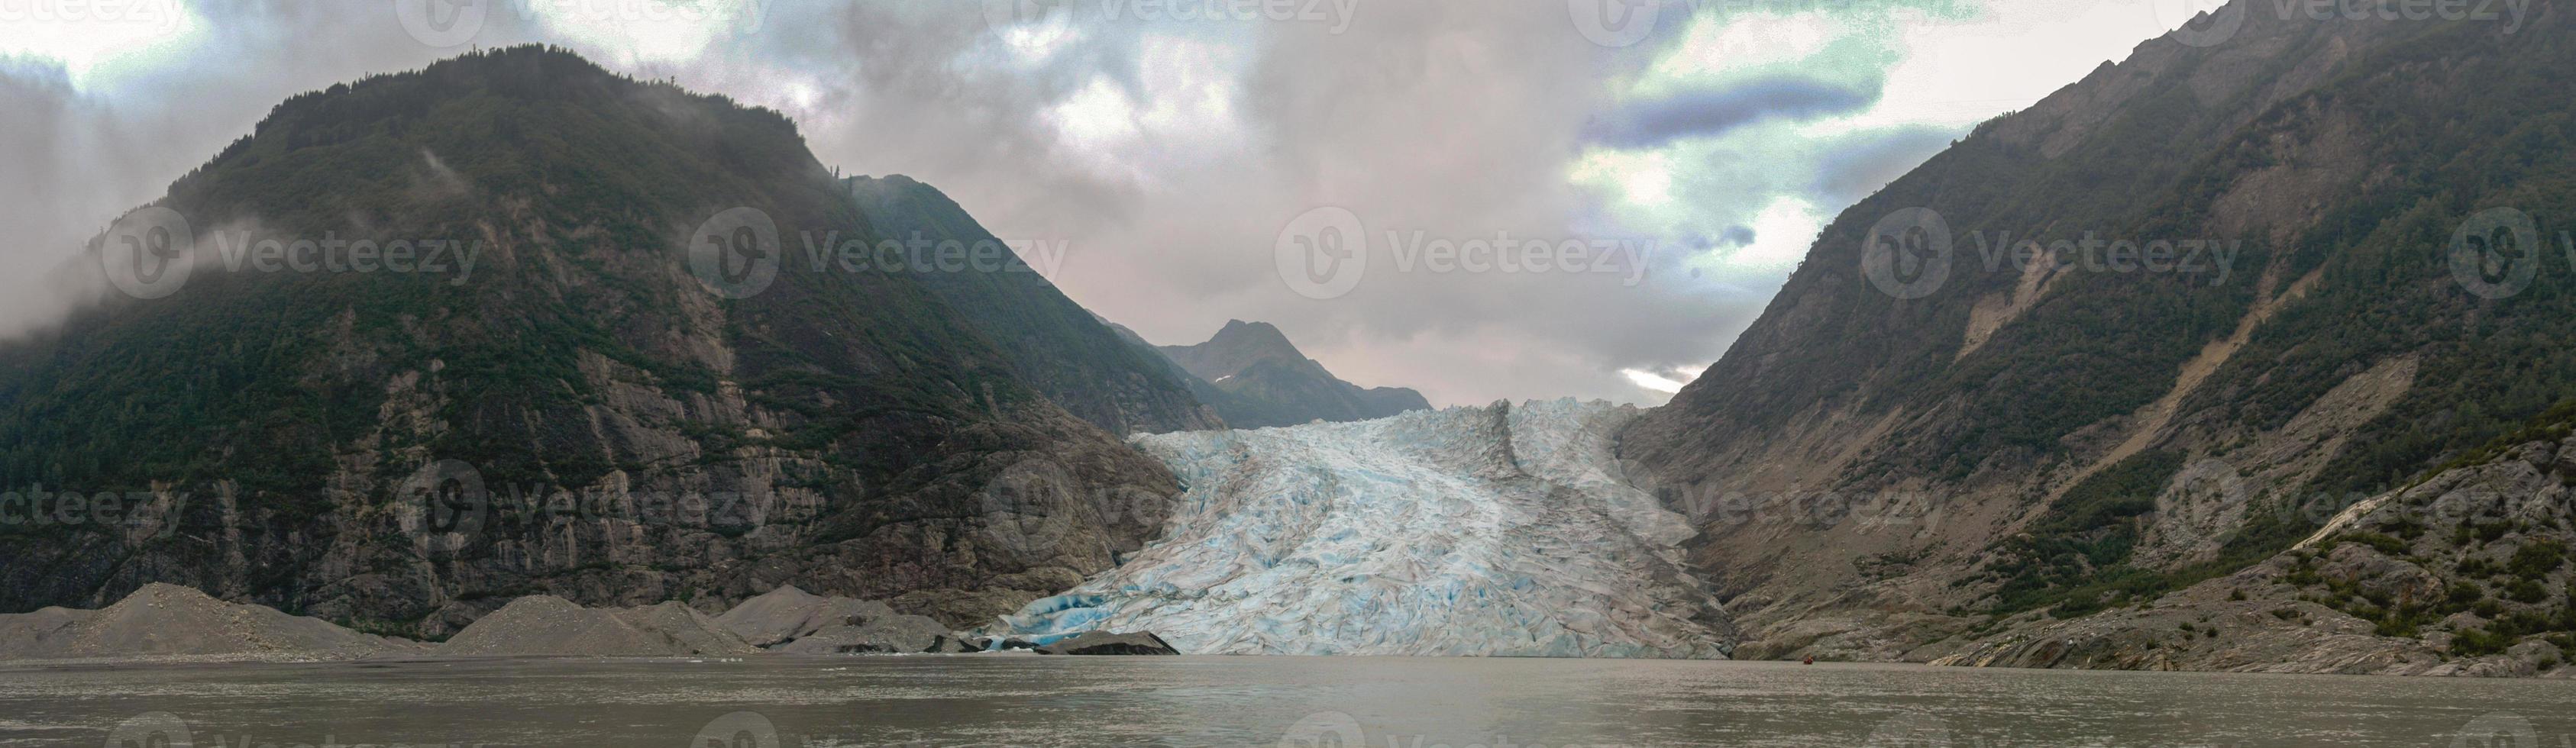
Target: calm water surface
[(1300, 701)]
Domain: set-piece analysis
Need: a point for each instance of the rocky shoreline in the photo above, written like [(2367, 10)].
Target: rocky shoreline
[(170, 624)]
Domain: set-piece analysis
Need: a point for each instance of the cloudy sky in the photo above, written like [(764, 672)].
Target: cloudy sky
[(1369, 175)]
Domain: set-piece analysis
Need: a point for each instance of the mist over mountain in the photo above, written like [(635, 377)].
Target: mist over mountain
[(611, 401)]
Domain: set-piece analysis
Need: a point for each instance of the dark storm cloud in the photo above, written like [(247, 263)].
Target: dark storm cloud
[(1168, 155), (1710, 111)]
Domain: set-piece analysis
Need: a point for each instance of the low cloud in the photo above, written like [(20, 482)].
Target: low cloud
[(1168, 154), (1715, 110)]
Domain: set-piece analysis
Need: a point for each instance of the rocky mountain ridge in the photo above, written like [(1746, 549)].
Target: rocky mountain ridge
[(1266, 381), (613, 407), (1924, 443)]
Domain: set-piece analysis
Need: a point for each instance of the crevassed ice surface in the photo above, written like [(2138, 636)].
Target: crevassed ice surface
[(1501, 531)]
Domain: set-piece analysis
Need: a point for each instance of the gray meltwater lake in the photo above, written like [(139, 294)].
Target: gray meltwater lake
[(1264, 701)]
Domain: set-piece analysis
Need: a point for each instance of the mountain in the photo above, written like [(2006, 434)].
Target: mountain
[(1051, 342), (1923, 445), (1234, 407), (1273, 384), (609, 406)]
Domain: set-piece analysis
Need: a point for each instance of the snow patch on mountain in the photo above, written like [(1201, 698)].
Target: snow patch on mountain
[(1500, 531)]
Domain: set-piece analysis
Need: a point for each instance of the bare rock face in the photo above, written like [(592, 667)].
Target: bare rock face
[(2464, 574), (163, 620), (887, 634), (787, 614), (549, 626), (589, 417), (2374, 573), (1105, 643), (1945, 448), (794, 621)]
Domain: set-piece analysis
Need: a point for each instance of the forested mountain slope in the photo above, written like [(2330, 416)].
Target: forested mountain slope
[(589, 411), (1915, 439)]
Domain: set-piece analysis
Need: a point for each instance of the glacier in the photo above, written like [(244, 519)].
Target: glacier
[(1470, 531)]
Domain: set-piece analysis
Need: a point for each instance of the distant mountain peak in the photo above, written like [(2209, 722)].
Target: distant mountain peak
[(1266, 381)]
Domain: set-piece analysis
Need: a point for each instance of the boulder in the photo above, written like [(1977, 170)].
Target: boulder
[(886, 633)]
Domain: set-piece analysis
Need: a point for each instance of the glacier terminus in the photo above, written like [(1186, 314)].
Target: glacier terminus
[(1471, 531)]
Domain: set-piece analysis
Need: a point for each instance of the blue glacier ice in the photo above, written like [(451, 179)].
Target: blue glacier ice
[(1493, 531)]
